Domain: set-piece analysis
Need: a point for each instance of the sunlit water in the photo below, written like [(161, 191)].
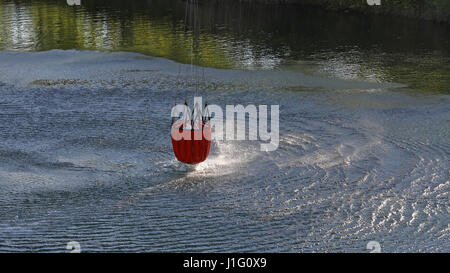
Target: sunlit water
[(85, 152)]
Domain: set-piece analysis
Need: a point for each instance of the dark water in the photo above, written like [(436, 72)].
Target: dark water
[(85, 152)]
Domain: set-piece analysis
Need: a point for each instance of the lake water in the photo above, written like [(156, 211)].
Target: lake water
[(85, 149)]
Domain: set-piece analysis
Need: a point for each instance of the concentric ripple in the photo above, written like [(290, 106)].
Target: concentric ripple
[(86, 156)]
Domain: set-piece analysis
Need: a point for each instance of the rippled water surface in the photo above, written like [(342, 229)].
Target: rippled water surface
[(85, 152)]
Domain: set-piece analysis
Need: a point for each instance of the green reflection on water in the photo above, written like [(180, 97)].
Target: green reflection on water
[(233, 34), (45, 25)]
